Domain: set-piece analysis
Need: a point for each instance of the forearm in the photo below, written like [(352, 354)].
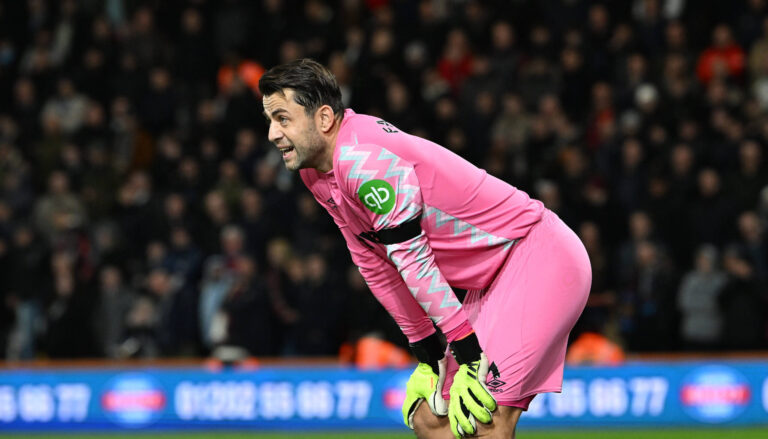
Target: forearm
[(390, 290), (417, 267)]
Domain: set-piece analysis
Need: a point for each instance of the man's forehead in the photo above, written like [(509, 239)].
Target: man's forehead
[(278, 99)]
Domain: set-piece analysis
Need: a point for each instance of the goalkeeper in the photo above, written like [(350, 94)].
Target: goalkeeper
[(421, 223)]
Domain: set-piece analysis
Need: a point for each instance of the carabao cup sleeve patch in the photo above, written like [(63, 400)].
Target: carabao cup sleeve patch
[(378, 196)]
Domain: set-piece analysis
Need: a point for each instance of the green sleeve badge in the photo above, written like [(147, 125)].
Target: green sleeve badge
[(378, 196)]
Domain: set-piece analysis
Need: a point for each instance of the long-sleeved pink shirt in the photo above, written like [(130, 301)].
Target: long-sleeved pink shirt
[(383, 178)]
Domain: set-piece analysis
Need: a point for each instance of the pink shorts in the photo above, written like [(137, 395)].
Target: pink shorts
[(523, 318)]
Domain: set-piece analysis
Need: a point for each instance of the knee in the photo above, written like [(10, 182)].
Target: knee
[(503, 425), (425, 423)]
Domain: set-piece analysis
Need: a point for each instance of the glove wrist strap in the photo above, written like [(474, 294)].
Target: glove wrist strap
[(429, 350), (466, 350)]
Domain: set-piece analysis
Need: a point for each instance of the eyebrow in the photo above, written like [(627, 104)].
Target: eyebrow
[(276, 112)]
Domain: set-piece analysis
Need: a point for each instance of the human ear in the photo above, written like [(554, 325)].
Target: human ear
[(325, 118)]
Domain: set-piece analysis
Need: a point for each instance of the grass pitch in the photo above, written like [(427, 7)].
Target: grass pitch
[(710, 433)]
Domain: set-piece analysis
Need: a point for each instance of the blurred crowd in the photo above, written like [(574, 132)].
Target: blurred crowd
[(144, 214)]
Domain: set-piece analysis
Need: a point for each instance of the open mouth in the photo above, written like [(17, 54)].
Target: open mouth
[(286, 150)]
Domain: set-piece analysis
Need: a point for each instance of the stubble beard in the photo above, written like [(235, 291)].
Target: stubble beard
[(309, 154)]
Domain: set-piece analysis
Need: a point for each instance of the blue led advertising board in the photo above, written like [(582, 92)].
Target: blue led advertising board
[(337, 398)]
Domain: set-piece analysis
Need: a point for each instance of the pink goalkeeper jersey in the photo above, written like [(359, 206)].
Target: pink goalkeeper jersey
[(383, 178)]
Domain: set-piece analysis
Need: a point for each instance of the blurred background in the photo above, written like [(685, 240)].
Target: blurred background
[(146, 220)]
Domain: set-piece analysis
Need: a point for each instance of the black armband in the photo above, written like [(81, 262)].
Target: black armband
[(405, 231), (429, 350), (466, 350), (460, 293)]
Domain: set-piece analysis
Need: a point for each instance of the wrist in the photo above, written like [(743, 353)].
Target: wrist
[(467, 349), (429, 350)]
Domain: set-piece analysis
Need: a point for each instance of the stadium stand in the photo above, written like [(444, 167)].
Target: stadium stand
[(143, 213)]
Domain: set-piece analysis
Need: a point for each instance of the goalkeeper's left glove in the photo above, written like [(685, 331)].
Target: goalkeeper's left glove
[(426, 382), (470, 398)]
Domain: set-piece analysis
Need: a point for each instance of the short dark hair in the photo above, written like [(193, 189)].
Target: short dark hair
[(313, 84)]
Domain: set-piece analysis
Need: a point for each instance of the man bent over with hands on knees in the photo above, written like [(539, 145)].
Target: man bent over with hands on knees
[(420, 221)]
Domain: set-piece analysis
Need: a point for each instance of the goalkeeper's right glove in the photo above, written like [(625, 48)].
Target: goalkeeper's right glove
[(426, 382), (470, 399)]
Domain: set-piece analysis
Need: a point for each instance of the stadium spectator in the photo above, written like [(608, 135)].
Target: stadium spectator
[(743, 303), (318, 304), (137, 211), (236, 68), (114, 302), (221, 275), (746, 182), (602, 297), (640, 228), (648, 298), (255, 224), (68, 107), (697, 299), (456, 63), (248, 313), (193, 50), (25, 290), (69, 331), (710, 213), (140, 331), (6, 300), (26, 108), (59, 211), (758, 55), (214, 286), (183, 258), (751, 242), (167, 296), (723, 59)]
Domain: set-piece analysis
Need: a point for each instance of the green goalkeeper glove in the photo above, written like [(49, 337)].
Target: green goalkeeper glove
[(426, 382), (470, 399)]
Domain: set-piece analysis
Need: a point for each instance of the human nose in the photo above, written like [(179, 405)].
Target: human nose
[(275, 133)]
